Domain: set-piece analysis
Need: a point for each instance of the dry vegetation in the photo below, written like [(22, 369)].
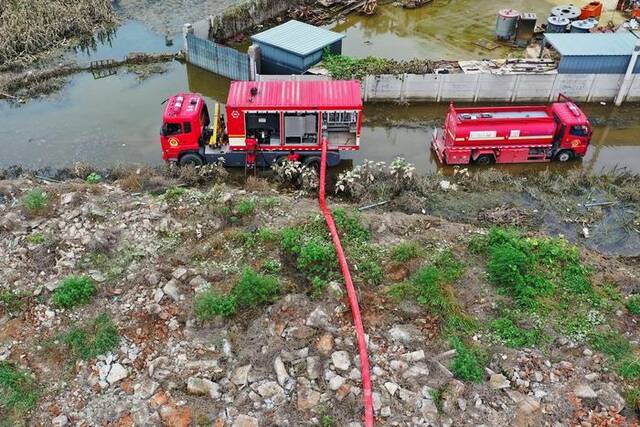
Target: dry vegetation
[(30, 27)]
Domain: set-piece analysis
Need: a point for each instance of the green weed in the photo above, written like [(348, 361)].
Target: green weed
[(173, 194), (98, 337), (468, 364), (633, 304), (632, 396), (317, 257), (271, 266), (246, 207), (251, 290), (35, 200), (318, 286), (73, 291), (93, 178), (35, 239), (371, 271), (18, 393), (406, 251), (270, 202), (349, 226)]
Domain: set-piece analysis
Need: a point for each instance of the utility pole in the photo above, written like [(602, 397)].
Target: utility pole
[(628, 77)]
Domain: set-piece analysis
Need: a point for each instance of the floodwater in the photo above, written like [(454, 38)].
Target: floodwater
[(116, 119), (441, 29)]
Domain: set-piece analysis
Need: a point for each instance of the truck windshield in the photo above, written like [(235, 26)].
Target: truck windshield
[(169, 129)]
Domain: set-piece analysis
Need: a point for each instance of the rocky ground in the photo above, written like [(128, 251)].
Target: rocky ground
[(140, 348)]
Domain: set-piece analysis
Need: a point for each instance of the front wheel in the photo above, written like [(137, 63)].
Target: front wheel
[(485, 159), (313, 162), (564, 156), (191, 159)]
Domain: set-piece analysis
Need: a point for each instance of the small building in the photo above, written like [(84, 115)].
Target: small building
[(294, 47), (593, 53)]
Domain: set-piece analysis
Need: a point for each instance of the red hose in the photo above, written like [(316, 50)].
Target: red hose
[(351, 293)]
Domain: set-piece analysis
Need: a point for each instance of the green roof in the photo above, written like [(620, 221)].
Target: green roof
[(297, 37), (592, 44)]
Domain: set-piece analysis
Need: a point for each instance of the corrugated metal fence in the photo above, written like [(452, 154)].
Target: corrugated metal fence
[(489, 87), (218, 59)]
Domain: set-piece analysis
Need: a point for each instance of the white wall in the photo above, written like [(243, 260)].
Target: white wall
[(489, 87)]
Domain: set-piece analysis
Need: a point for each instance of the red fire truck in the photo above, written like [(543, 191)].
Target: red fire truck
[(513, 134), (265, 122)]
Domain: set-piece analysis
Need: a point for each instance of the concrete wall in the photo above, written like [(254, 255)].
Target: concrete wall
[(489, 87), (246, 15)]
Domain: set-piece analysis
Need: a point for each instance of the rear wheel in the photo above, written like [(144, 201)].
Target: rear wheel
[(485, 159), (564, 156), (191, 159), (313, 162)]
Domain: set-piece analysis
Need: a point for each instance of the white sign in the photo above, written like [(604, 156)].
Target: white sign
[(482, 134), (514, 133)]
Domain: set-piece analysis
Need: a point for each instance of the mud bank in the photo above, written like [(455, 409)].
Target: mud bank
[(127, 297)]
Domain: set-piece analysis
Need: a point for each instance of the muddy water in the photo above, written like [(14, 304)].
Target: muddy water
[(442, 29), (116, 119)]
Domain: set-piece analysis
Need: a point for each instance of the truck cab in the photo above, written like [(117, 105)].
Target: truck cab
[(184, 123), (573, 131)]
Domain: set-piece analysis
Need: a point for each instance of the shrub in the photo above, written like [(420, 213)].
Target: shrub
[(210, 304), (73, 291), (253, 289), (35, 200), (468, 364), (349, 226), (93, 178), (633, 304), (98, 337), (317, 257), (512, 335), (406, 251), (246, 207), (18, 393)]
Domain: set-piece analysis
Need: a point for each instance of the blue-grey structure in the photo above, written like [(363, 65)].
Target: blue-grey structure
[(593, 53), (294, 47)]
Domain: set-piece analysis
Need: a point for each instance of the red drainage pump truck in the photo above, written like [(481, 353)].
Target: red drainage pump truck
[(513, 134), (265, 123)]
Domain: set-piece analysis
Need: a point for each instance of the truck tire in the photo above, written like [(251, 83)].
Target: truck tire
[(313, 162), (191, 159), (485, 159), (564, 156)]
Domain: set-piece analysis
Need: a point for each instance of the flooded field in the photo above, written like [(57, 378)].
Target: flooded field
[(116, 119), (442, 29)]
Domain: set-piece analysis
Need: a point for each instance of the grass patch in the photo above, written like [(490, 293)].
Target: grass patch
[(611, 343), (10, 302), (469, 362), (251, 290), (18, 393), (533, 269), (73, 291), (406, 251), (98, 337), (633, 304), (35, 201), (512, 335), (632, 396), (271, 266), (630, 369), (431, 286)]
